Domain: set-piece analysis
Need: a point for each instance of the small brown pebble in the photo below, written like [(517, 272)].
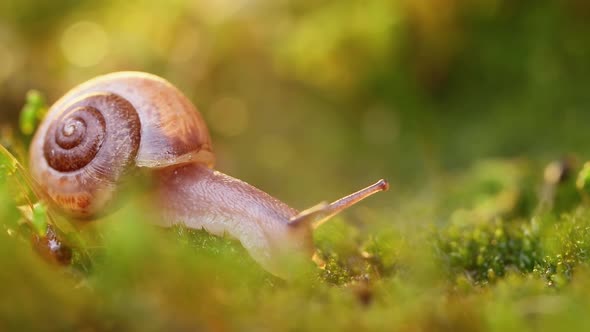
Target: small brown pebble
[(51, 248)]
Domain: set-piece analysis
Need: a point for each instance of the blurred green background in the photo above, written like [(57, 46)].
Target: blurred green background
[(459, 103), (302, 95)]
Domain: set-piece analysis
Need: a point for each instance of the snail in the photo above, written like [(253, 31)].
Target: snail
[(121, 123)]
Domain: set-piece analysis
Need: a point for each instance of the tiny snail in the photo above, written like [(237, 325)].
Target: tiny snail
[(120, 123)]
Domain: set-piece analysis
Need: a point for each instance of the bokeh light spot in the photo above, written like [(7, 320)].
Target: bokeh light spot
[(187, 46), (11, 54), (7, 62), (274, 152), (228, 116), (84, 44), (220, 11)]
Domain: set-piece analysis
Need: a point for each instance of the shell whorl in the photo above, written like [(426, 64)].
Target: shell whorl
[(93, 143), (74, 139)]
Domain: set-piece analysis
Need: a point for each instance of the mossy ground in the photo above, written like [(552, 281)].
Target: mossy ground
[(490, 265)]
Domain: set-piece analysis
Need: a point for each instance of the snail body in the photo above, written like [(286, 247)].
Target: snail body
[(120, 123)]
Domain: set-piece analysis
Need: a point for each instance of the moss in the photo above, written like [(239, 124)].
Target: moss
[(468, 273), (491, 265), (487, 251)]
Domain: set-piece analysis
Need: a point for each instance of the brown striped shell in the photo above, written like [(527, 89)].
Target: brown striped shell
[(104, 128)]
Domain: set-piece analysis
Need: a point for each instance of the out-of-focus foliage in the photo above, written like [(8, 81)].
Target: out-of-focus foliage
[(476, 111), (406, 89), (32, 113)]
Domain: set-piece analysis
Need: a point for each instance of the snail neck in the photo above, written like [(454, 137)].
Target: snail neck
[(198, 197)]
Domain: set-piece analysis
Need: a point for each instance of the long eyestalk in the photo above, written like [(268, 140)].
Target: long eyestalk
[(322, 212)]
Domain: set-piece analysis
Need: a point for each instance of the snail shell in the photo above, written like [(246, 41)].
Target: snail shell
[(104, 128)]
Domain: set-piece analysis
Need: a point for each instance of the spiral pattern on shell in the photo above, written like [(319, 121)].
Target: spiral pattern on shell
[(74, 139), (89, 147)]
